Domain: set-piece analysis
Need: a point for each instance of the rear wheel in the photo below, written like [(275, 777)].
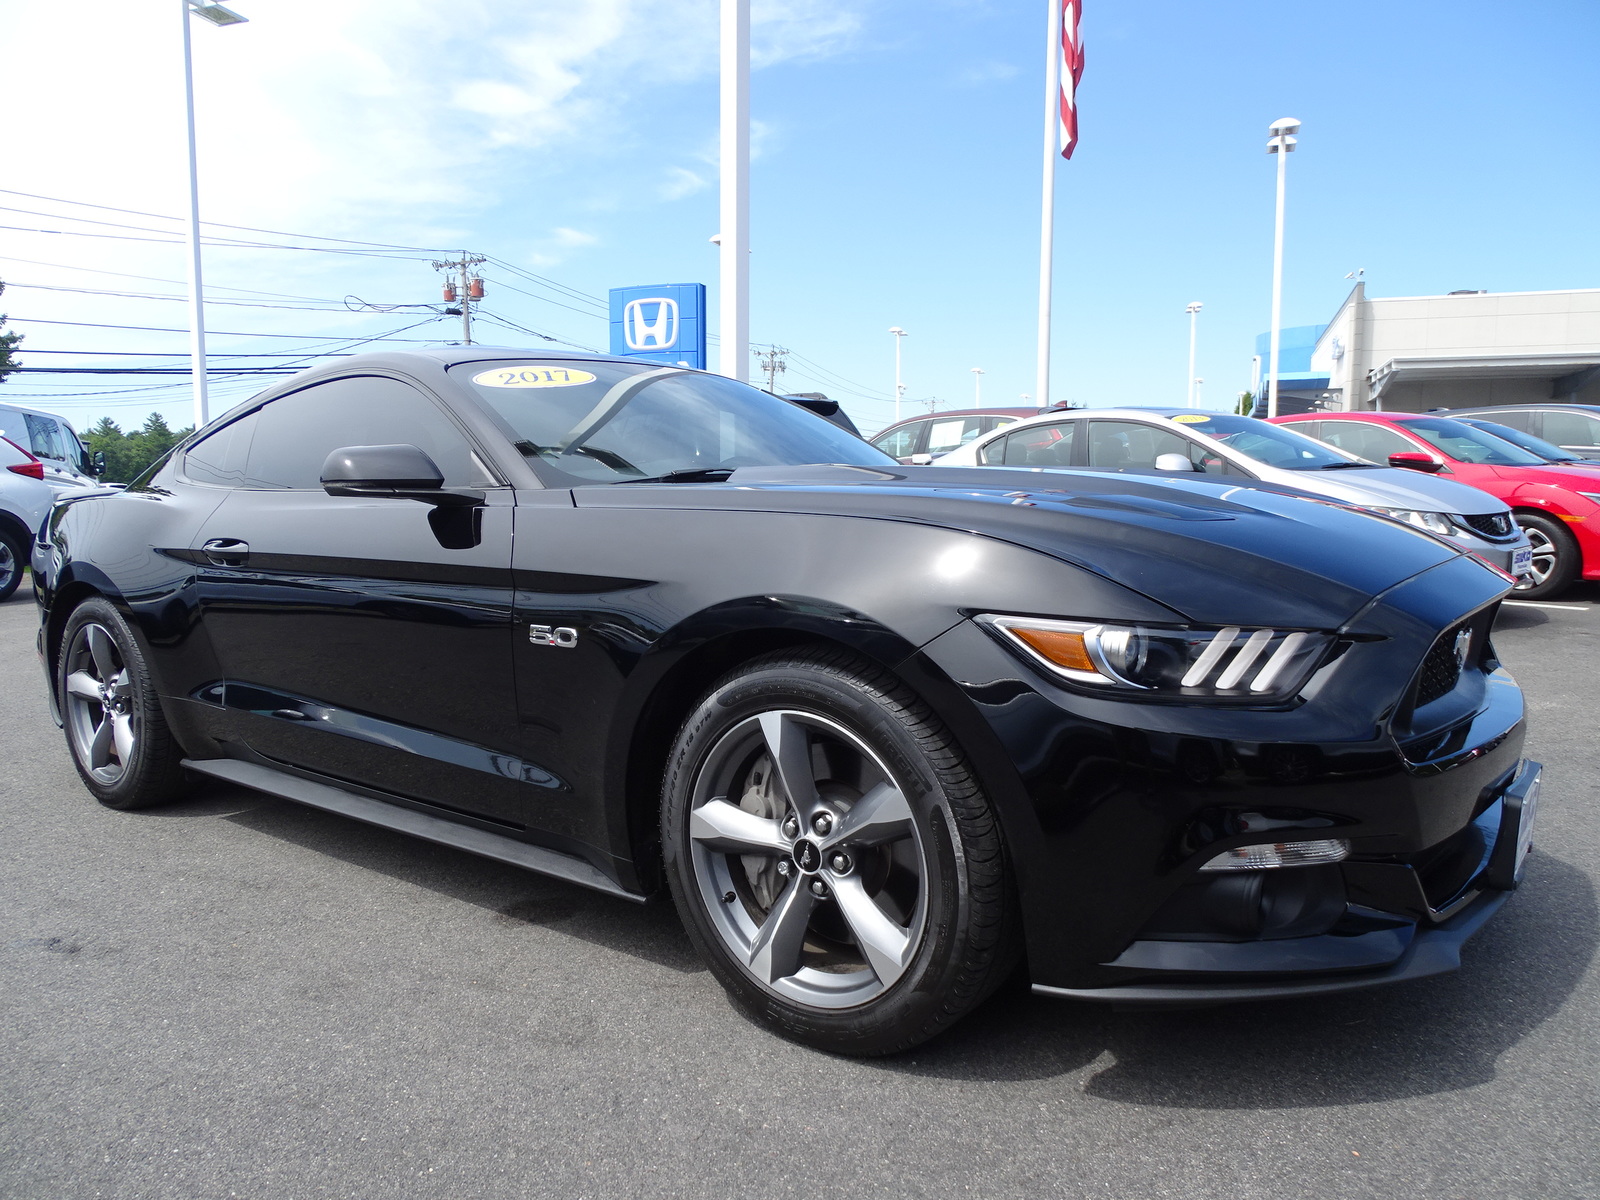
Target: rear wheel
[(833, 857), (13, 558), (115, 728), (1555, 557)]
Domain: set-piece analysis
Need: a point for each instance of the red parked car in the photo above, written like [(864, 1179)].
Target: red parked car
[(1558, 506)]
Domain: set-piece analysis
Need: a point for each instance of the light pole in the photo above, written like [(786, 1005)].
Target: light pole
[(977, 386), (899, 388), (1194, 311), (217, 15), (1282, 143), (734, 131)]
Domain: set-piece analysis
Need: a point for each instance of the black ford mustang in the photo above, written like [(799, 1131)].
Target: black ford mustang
[(881, 730)]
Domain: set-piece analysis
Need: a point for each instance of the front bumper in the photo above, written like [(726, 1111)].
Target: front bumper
[(1372, 949)]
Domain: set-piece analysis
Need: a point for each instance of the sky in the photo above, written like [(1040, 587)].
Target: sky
[(895, 181)]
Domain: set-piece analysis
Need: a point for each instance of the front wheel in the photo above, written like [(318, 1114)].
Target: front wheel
[(833, 857), (1555, 557)]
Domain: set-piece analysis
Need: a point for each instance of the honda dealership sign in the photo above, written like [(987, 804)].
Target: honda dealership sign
[(664, 324)]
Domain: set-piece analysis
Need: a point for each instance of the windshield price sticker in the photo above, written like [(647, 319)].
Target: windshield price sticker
[(1191, 419), (532, 377)]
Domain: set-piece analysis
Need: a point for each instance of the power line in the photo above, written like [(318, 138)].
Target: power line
[(299, 337)]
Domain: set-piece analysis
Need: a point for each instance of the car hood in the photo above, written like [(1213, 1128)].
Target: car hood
[(1396, 487), (1214, 551)]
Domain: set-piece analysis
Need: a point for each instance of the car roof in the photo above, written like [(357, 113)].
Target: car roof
[(945, 413)]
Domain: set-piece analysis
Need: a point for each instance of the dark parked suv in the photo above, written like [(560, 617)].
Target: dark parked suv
[(1573, 427)]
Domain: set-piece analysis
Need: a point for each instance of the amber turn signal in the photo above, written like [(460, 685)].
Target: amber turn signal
[(1062, 647)]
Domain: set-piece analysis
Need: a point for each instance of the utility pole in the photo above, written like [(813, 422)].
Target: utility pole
[(774, 362), (465, 288)]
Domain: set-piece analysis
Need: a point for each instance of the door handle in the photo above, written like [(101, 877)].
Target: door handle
[(226, 552)]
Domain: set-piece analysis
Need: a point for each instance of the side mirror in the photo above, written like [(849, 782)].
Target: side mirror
[(404, 472), (97, 463), (1414, 460), (921, 460), (1174, 462)]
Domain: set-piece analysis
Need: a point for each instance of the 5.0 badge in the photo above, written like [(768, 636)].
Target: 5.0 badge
[(544, 635)]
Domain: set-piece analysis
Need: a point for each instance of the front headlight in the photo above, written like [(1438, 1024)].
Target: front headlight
[(1235, 662), (1431, 521)]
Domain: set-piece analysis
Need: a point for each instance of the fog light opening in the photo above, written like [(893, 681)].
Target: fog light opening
[(1265, 855)]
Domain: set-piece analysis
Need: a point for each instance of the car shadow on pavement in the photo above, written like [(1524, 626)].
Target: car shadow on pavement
[(650, 932), (1433, 1035)]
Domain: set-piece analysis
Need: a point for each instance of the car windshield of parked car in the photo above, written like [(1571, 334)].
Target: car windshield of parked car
[(1548, 451), (1466, 444), (1272, 445), (610, 422)]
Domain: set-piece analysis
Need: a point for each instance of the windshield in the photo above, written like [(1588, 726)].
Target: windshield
[(1548, 451), (610, 422), (1466, 444), (1271, 445)]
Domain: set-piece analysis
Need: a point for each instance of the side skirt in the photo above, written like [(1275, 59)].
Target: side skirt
[(406, 820)]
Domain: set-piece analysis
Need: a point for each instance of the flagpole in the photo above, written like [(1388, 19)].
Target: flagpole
[(1047, 221)]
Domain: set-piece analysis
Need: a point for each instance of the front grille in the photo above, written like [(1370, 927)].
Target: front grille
[(1442, 668), (1491, 525)]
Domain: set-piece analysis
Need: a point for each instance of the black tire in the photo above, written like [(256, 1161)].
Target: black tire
[(1556, 558), (889, 913), (116, 731), (13, 558)]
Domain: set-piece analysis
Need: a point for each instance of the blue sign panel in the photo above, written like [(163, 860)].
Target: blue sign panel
[(665, 323)]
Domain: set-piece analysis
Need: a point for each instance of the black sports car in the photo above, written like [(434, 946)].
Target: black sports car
[(881, 730)]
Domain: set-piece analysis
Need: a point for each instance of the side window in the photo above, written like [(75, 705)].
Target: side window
[(1371, 442), (1570, 429), (1521, 419), (951, 434), (1310, 429), (1036, 446), (1132, 444), (44, 437), (295, 434), (220, 457), (900, 443)]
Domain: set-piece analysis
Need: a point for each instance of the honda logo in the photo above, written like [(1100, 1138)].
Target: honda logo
[(659, 331)]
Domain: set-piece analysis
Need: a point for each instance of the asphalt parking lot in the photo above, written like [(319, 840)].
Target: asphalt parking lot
[(237, 996)]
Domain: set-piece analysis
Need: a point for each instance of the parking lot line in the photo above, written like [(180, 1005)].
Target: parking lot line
[(1538, 604)]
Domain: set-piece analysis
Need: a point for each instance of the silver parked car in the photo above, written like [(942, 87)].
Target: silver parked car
[(1182, 439), (24, 501)]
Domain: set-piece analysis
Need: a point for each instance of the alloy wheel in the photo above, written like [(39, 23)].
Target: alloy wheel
[(807, 859), (99, 704), (1544, 558)]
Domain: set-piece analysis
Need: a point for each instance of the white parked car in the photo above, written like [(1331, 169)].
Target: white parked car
[(24, 501), (54, 442), (1182, 440)]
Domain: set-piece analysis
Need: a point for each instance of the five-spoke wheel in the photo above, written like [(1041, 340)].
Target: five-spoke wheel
[(833, 857), (115, 728)]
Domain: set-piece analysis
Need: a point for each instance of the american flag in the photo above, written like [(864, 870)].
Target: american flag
[(1071, 72)]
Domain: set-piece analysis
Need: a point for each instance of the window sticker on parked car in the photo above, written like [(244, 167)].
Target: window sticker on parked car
[(532, 377), (1191, 419)]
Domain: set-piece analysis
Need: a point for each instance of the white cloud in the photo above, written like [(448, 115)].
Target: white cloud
[(681, 182)]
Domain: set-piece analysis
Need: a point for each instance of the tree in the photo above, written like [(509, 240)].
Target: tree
[(127, 455), (8, 346), (1246, 404)]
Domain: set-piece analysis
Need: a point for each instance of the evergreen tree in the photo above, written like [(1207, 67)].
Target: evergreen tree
[(8, 346)]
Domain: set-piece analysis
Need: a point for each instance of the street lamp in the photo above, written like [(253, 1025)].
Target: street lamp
[(217, 15), (1193, 310), (1282, 143), (977, 386), (899, 388)]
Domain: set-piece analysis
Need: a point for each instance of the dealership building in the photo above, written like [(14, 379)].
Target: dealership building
[(1413, 353)]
